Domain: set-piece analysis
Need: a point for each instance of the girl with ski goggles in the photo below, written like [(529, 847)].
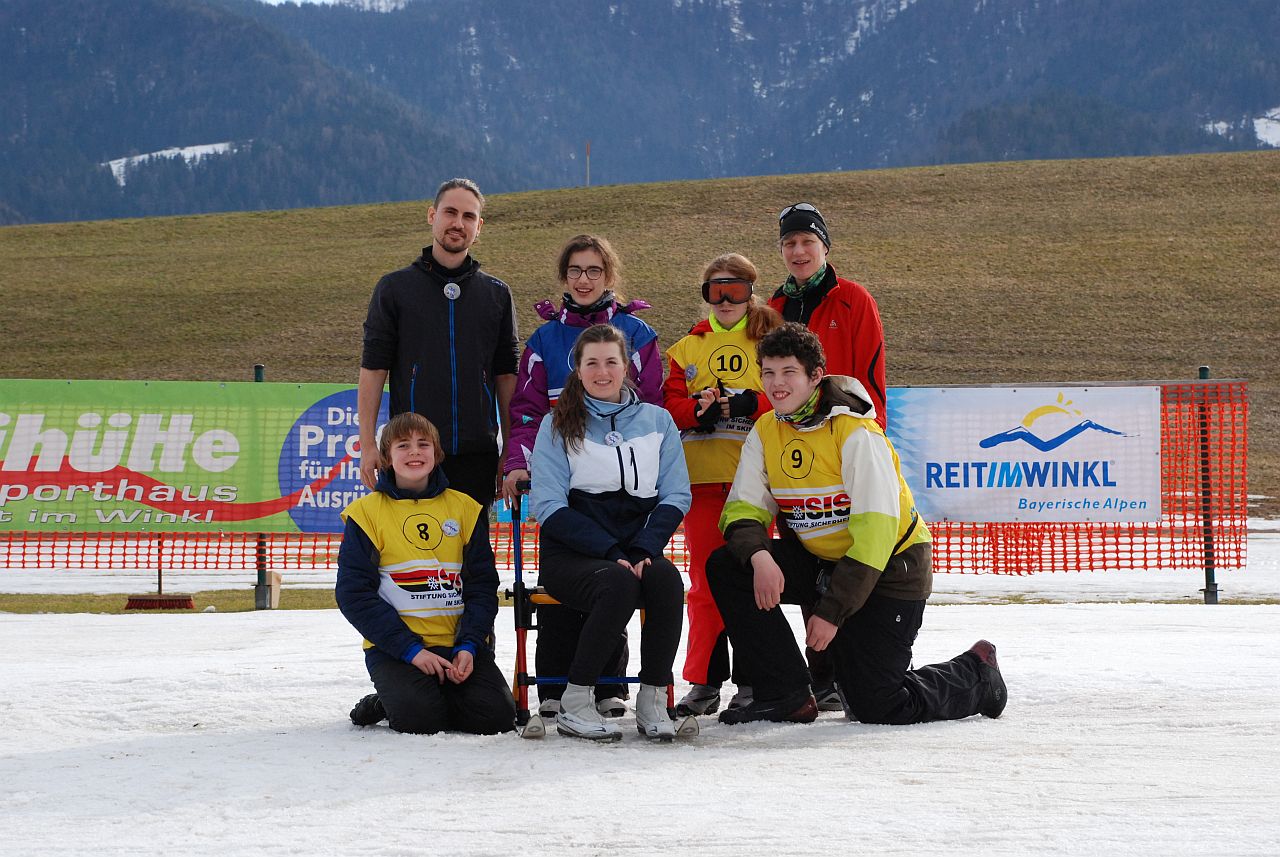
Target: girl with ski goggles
[(734, 290)]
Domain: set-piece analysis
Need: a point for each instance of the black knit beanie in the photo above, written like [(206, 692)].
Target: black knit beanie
[(803, 217)]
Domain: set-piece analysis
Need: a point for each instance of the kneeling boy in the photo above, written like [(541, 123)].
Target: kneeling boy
[(416, 577), (852, 549)]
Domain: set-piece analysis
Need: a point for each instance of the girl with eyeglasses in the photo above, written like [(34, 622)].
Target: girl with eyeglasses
[(590, 274), (713, 392)]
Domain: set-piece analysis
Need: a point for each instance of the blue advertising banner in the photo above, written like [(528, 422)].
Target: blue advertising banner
[(1030, 453)]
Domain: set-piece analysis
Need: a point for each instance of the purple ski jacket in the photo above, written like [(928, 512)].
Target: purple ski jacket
[(546, 364)]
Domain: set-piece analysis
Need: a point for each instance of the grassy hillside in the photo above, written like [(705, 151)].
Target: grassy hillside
[(1128, 269)]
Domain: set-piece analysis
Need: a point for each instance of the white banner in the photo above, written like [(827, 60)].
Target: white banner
[(1029, 453)]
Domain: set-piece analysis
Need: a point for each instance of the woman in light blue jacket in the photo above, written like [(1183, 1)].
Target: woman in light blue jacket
[(610, 488)]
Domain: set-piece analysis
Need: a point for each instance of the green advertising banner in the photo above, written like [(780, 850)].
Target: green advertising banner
[(176, 456)]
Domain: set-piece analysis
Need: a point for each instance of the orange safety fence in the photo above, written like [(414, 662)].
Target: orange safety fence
[(1204, 458)]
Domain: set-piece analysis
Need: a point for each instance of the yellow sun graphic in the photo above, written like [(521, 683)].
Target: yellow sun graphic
[(1045, 410)]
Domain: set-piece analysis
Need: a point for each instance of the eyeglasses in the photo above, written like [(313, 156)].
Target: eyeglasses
[(573, 272), (799, 206), (734, 290)]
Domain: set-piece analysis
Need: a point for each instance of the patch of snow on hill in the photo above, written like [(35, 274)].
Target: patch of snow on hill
[(1267, 127), (191, 154), (367, 5)]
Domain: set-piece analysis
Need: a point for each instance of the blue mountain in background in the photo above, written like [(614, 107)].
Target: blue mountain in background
[(326, 104)]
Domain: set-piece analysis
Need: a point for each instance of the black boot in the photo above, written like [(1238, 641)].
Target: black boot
[(797, 707), (368, 711), (828, 697), (996, 695)]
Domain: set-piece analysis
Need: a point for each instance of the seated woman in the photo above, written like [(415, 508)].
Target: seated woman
[(609, 489), (416, 578)]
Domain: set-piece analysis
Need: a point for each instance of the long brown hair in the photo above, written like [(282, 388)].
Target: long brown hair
[(761, 318), (569, 417), (609, 258)]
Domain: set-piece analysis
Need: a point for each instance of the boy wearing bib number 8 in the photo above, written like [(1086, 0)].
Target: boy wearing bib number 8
[(416, 578), (713, 393)]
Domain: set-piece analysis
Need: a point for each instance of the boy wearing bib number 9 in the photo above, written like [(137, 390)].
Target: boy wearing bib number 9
[(853, 550)]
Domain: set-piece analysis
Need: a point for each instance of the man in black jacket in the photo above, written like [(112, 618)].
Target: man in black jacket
[(444, 333)]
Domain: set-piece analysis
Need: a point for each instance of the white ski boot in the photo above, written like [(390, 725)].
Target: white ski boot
[(742, 698), (611, 706), (578, 717), (651, 714), (536, 727)]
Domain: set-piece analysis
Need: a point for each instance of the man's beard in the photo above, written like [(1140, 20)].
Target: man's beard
[(454, 242)]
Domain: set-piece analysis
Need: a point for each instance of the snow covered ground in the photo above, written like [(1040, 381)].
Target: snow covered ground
[(1132, 728)]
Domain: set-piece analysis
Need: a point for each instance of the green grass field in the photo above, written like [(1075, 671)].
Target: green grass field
[(224, 600), (1057, 271)]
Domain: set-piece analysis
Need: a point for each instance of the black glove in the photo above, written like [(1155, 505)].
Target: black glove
[(743, 404), (637, 555), (707, 419)]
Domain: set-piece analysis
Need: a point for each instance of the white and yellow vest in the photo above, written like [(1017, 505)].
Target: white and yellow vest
[(726, 357), (421, 545), (838, 486)]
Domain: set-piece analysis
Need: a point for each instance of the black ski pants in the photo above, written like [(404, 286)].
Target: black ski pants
[(609, 594), (474, 474), (422, 704), (559, 629), (871, 652)]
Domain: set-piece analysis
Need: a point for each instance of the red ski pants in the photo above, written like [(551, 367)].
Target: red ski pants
[(706, 659)]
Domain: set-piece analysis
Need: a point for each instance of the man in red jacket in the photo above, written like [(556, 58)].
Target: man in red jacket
[(842, 313), (847, 322)]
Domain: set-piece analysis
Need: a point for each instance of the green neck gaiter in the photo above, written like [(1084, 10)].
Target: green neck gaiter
[(792, 289), (804, 411)]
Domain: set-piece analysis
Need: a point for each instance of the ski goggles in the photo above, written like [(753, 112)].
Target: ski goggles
[(799, 206), (734, 290)]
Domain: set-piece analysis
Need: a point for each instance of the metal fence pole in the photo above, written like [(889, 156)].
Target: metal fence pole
[(1206, 493), (262, 590)]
